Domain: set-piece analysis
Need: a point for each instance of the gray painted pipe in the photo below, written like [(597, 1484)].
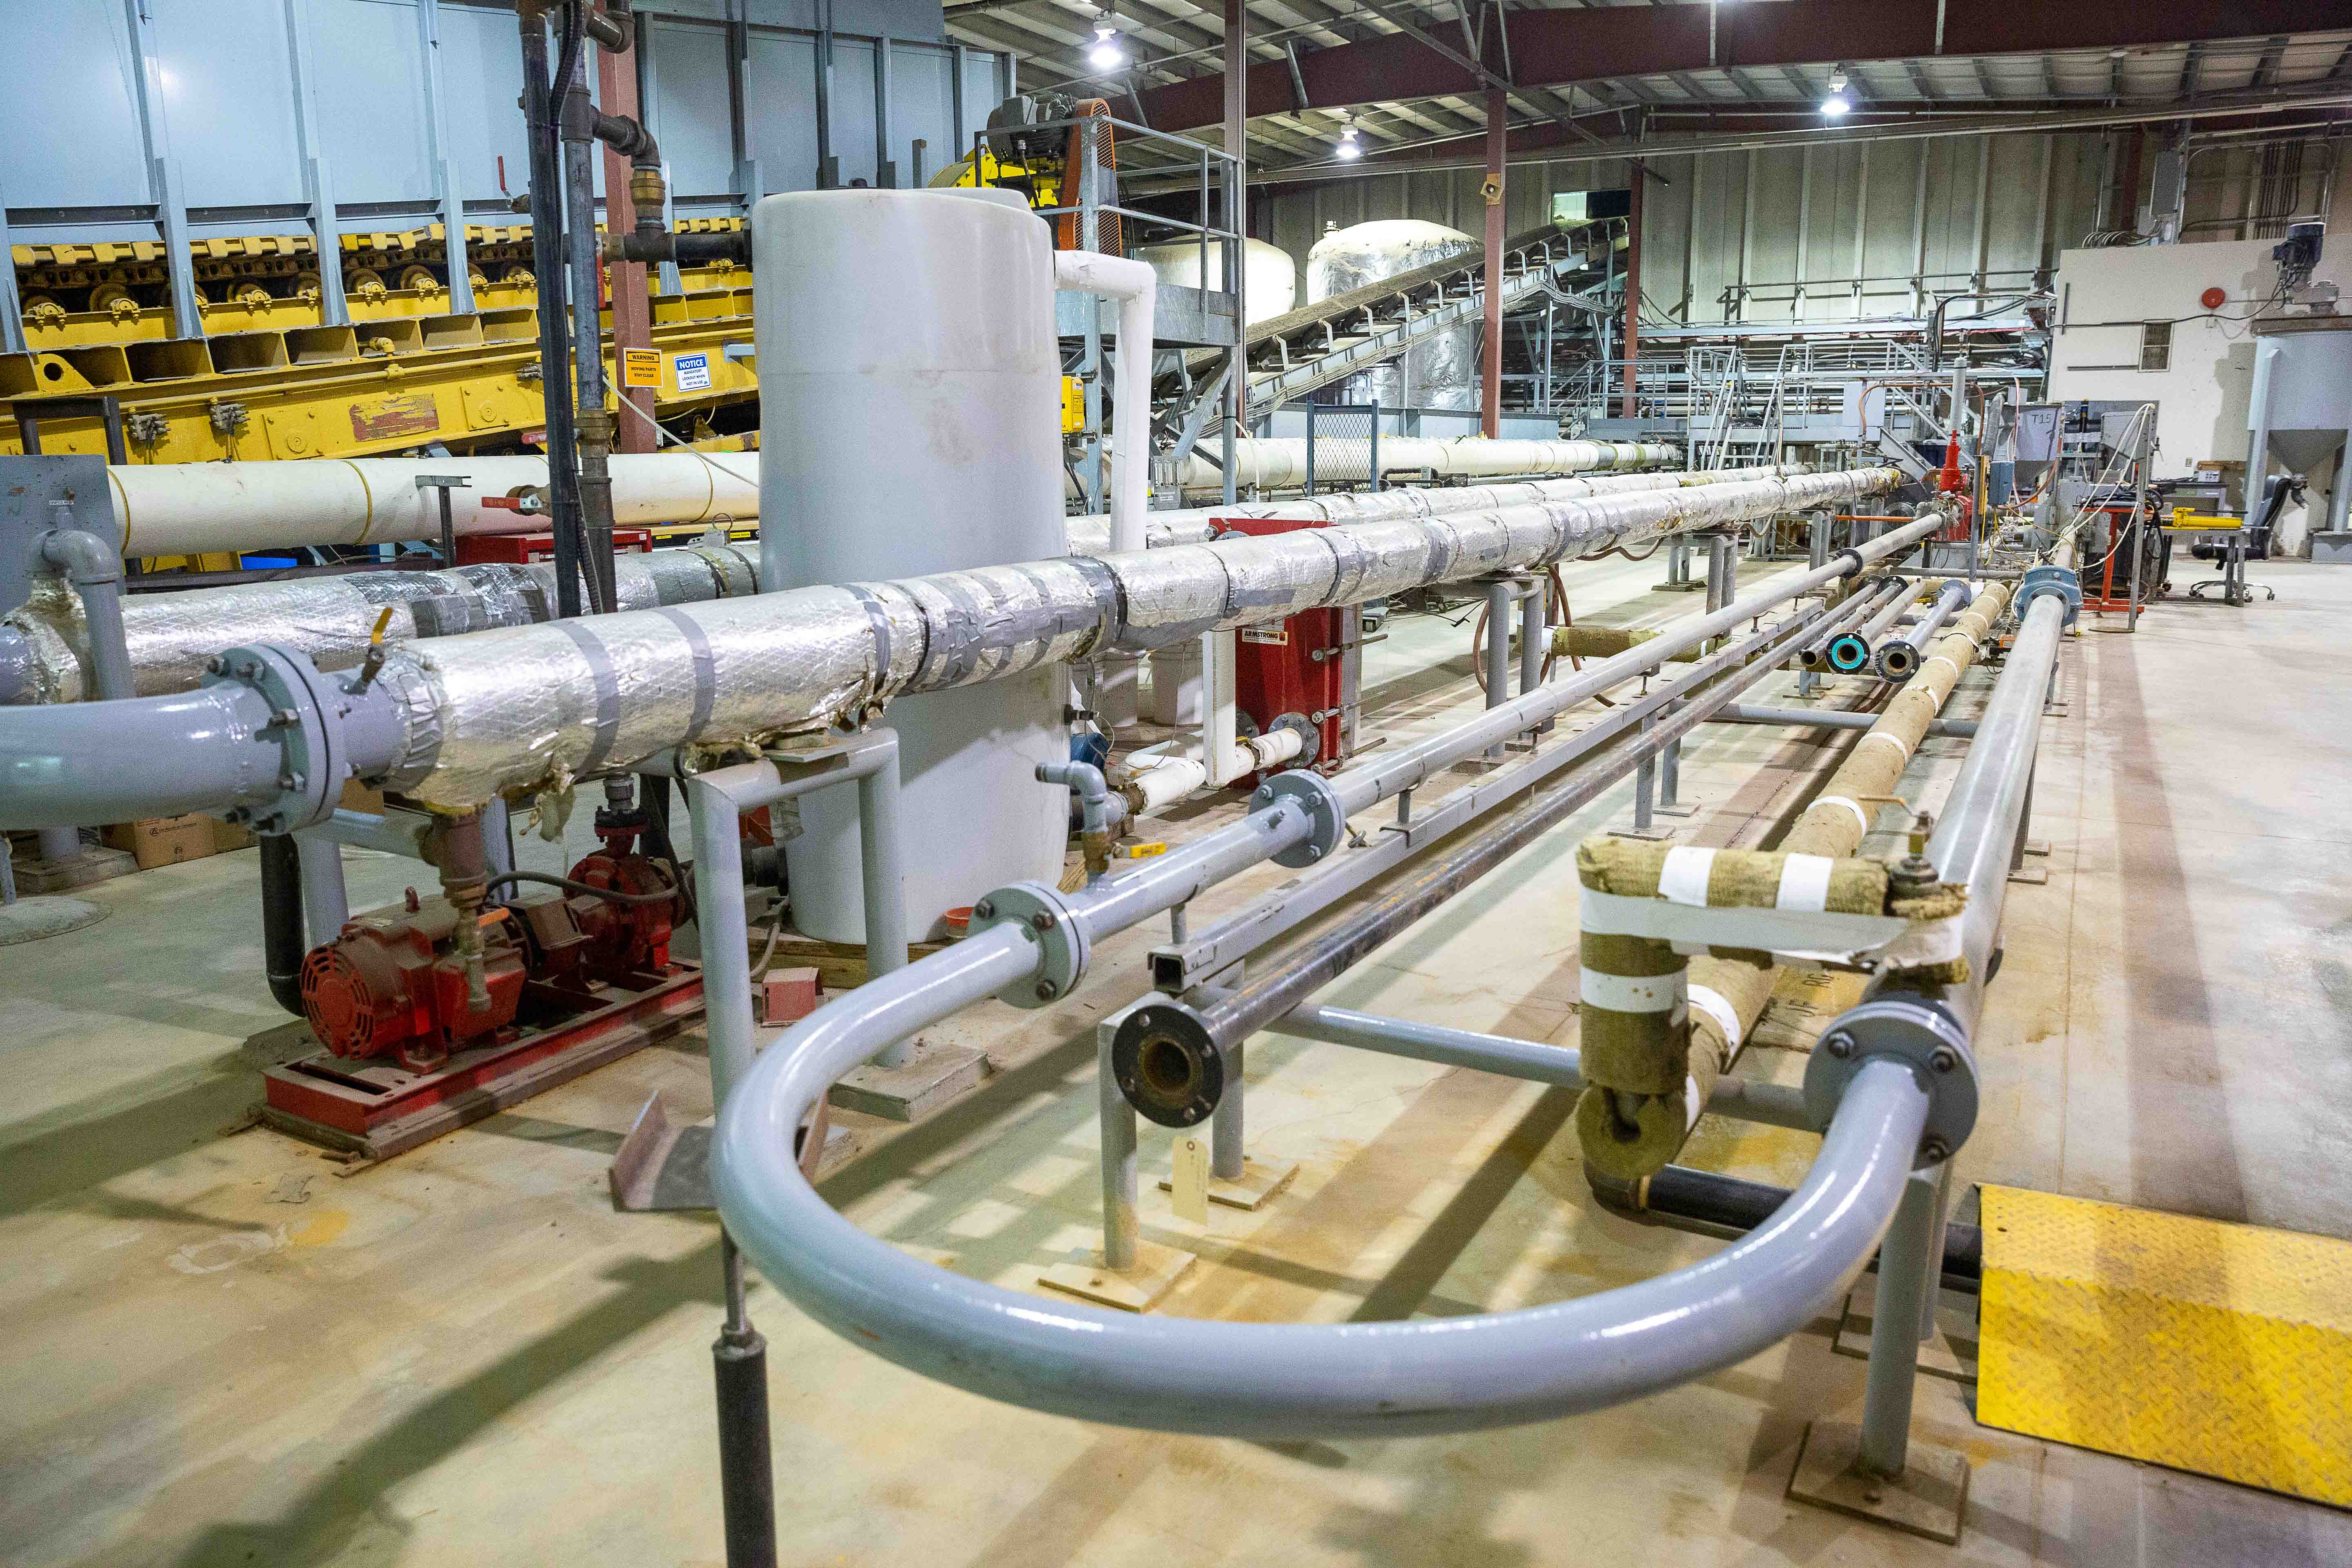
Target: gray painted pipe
[(1277, 1380), (71, 763), (1772, 1104), (95, 569), (1825, 719), (1898, 659)]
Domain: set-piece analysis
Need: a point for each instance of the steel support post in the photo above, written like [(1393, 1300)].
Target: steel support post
[(1645, 784), (1903, 1300), (1499, 649), (1225, 1156), (1633, 285), (1490, 389), (446, 192), (1535, 635), (1120, 1229)]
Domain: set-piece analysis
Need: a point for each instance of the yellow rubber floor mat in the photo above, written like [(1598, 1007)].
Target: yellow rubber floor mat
[(2221, 1349)]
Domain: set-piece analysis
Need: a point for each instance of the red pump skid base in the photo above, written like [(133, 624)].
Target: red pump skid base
[(375, 1110)]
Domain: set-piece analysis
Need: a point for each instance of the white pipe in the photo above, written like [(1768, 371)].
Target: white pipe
[(1161, 783), (1279, 462), (1135, 285), (189, 508)]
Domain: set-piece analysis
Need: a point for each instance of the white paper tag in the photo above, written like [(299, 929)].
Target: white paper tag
[(1187, 1190)]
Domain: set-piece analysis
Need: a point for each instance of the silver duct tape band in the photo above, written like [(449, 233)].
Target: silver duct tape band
[(608, 691), (705, 685), (517, 708)]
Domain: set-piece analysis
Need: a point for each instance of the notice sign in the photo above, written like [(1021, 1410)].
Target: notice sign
[(693, 372), (641, 367)]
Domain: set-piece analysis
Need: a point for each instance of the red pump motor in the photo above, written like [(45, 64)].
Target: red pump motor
[(624, 938), (393, 985)]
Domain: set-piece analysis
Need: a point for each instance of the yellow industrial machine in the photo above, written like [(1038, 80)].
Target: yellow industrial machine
[(269, 379)]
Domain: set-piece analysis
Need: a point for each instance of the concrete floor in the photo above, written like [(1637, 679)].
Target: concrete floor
[(221, 1349)]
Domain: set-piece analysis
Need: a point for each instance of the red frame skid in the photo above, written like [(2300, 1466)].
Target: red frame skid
[(379, 1111)]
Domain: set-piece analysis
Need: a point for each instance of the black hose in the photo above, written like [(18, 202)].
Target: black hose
[(282, 945), (568, 885)]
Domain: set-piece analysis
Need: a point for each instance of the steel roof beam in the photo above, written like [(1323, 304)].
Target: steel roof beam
[(1555, 48)]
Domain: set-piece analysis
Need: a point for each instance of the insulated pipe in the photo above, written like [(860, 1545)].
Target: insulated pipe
[(1276, 1380), (1726, 996), (188, 509), (1280, 462), (528, 707), (168, 638), (1134, 285)]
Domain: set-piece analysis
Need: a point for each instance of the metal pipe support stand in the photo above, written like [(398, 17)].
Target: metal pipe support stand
[(1873, 1470), (1678, 573), (1645, 788), (1131, 1273)]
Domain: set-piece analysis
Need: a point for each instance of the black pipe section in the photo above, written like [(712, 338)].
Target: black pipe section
[(747, 1486), (283, 946), (686, 249), (1707, 1203), (554, 335)]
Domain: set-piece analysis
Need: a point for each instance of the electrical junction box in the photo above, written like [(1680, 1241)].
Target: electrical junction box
[(1074, 405)]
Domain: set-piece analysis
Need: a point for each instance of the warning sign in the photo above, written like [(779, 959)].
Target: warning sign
[(641, 367), (693, 372)]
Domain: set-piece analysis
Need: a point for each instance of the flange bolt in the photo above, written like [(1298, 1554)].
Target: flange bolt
[(1840, 1045), (1945, 1059)]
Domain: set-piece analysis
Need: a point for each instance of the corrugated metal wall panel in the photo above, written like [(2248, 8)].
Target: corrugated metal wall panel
[(72, 136)]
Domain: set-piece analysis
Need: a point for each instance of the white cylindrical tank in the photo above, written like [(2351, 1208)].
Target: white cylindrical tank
[(1441, 373), (910, 388), (1269, 274)]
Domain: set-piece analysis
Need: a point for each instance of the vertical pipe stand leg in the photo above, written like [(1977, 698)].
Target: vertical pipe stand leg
[(1498, 650), (1535, 638), (1131, 1273), (1875, 1470), (747, 1485)]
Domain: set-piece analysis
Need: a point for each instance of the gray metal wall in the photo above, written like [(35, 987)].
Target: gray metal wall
[(1783, 235), (130, 116)]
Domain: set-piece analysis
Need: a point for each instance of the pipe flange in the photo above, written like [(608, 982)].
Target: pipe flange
[(1846, 653), (1168, 1064), (1310, 738), (1896, 662), (1044, 917), (305, 710), (1921, 1036), (1326, 816), (2058, 580)]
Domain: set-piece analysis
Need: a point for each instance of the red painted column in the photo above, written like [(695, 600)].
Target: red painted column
[(1632, 288), (1490, 391), (633, 314)]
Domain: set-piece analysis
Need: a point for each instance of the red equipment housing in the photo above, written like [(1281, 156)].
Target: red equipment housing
[(1294, 667), (392, 984)]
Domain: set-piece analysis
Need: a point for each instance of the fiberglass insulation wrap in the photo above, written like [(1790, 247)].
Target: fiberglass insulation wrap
[(520, 708)]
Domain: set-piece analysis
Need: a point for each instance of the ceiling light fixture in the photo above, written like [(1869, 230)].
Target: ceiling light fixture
[(1348, 146), (1105, 54), (1837, 102)]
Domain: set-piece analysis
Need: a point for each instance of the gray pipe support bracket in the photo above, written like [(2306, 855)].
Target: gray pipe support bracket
[(306, 714), (1316, 796), (1921, 1036), (1043, 915), (2058, 580)]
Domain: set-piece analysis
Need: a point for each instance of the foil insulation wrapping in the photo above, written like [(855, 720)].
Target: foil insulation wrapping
[(536, 706), (170, 635)]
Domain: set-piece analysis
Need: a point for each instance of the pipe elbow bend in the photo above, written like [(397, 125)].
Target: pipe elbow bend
[(86, 560)]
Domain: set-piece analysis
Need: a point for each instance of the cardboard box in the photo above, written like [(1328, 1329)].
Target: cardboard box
[(357, 796), (164, 840), (228, 835)]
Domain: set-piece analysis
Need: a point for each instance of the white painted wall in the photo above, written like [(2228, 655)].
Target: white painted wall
[(2105, 296)]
